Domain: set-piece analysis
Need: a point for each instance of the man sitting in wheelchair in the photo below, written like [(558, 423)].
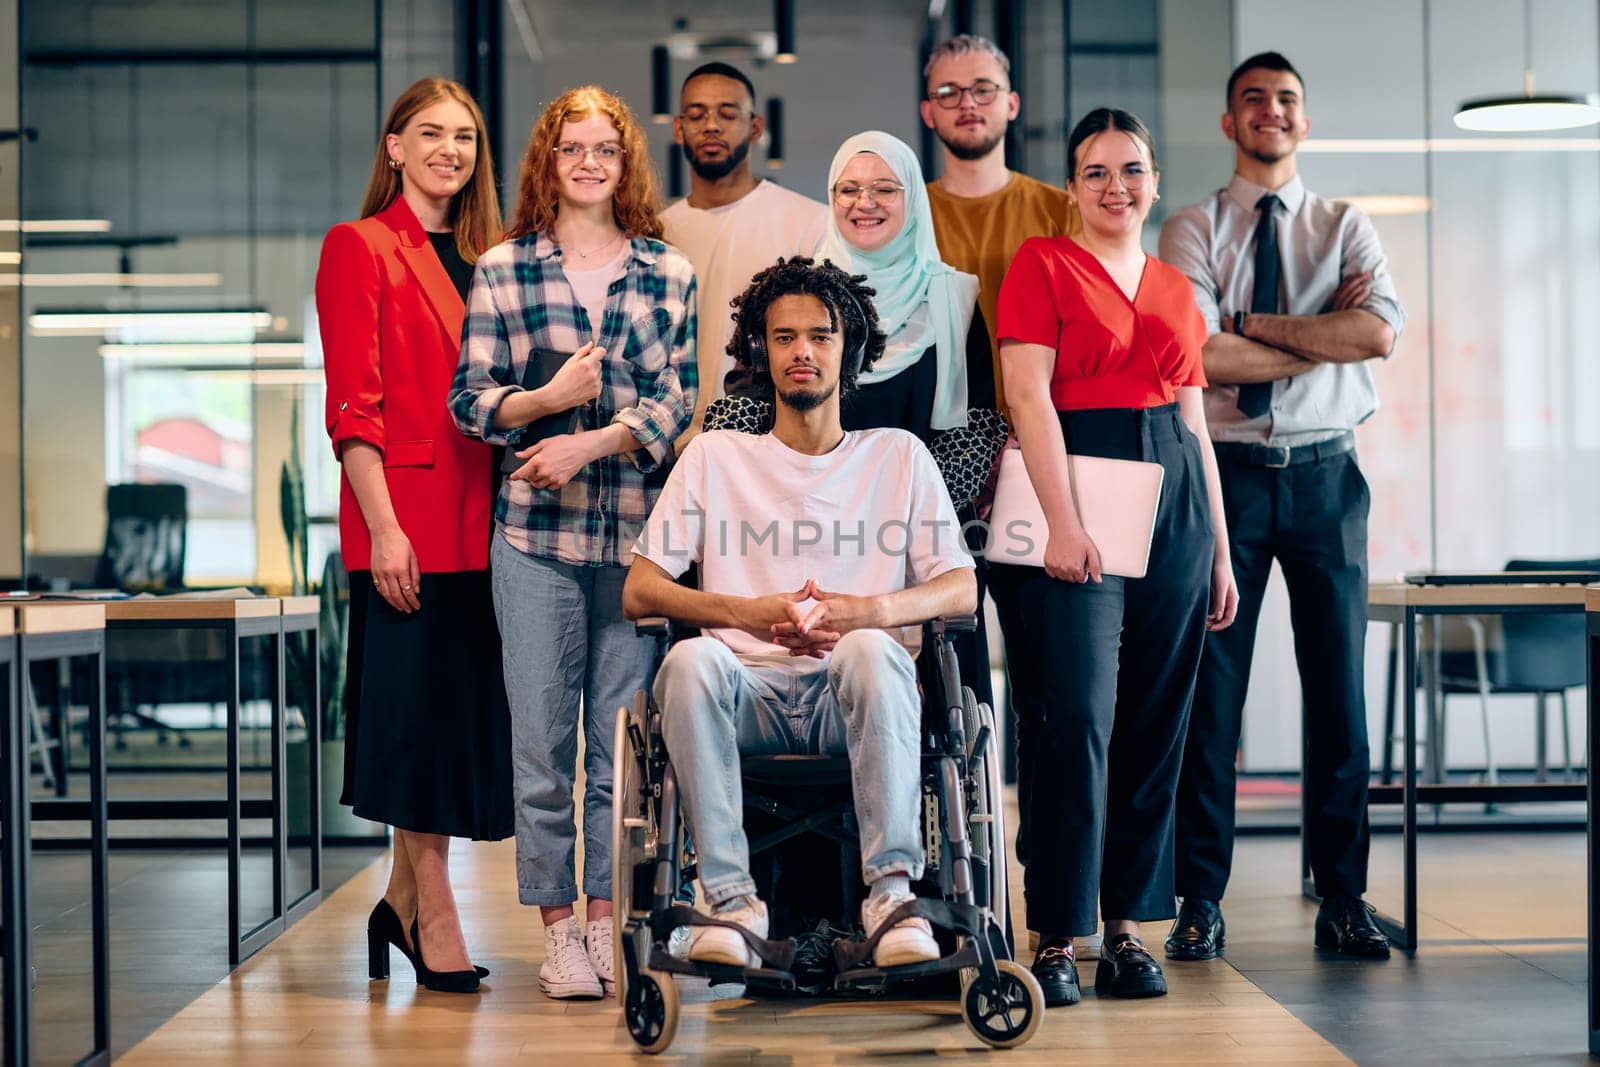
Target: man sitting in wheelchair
[(815, 547)]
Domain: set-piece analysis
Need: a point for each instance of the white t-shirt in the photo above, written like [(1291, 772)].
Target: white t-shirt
[(589, 284), (728, 246), (870, 517)]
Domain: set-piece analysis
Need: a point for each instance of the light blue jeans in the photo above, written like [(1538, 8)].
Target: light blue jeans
[(862, 702), (564, 638)]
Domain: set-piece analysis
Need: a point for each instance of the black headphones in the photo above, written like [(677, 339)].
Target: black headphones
[(854, 353)]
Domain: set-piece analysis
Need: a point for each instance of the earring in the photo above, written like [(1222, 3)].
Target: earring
[(394, 164)]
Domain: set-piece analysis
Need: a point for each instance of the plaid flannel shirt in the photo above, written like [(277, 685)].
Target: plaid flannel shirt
[(521, 300)]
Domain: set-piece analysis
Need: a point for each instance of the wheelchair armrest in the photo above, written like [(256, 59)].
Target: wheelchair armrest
[(653, 626), (953, 624)]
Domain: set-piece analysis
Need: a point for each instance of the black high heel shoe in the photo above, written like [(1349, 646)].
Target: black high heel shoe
[(440, 981), (383, 930)]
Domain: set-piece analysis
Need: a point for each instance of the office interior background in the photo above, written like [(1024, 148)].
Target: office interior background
[(205, 147), (168, 169)]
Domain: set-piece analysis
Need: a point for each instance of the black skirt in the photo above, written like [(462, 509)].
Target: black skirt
[(427, 729)]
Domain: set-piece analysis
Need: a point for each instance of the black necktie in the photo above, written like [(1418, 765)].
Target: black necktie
[(1255, 399)]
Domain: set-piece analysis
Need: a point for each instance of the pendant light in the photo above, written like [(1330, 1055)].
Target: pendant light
[(1531, 111)]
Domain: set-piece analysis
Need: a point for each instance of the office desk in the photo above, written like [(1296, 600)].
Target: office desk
[(237, 620), (45, 632), (1592, 612), (1409, 606)]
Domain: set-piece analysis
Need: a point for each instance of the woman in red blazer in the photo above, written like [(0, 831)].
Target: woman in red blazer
[(427, 740)]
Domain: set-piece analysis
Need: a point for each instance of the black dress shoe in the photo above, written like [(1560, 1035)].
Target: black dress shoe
[(1057, 974), (1345, 924), (1127, 970), (1197, 933)]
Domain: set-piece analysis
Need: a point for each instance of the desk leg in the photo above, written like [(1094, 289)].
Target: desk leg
[(280, 816), (1388, 703), (1403, 933), (99, 845), (14, 939), (235, 845), (1594, 814)]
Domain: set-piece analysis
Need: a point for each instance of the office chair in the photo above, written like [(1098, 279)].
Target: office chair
[(1537, 655)]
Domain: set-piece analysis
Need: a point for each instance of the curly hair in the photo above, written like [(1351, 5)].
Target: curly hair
[(846, 296), (637, 202)]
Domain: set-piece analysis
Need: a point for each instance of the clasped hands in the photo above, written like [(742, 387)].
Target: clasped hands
[(815, 630)]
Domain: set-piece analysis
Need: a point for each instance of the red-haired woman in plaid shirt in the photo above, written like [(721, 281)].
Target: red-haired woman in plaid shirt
[(583, 271)]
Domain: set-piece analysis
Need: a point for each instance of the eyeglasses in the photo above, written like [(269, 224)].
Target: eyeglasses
[(606, 153), (855, 192), (699, 114), (1098, 179), (948, 95)]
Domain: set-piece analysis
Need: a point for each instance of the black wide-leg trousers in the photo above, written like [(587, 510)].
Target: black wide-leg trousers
[(1103, 677)]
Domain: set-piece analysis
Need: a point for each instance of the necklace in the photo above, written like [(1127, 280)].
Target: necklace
[(595, 251)]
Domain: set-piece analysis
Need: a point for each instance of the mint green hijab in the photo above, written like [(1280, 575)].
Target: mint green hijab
[(907, 273)]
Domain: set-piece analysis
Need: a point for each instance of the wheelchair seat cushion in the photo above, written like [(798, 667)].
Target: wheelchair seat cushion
[(796, 770)]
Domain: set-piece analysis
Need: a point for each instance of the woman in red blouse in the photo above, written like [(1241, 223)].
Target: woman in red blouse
[(1100, 349)]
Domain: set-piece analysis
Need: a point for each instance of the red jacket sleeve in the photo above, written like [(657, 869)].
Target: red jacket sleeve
[(348, 285)]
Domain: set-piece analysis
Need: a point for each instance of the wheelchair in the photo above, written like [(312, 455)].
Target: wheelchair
[(963, 892)]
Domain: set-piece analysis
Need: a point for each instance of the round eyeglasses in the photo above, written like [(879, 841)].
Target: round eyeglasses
[(948, 95)]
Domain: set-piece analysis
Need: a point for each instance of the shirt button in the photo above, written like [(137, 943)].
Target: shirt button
[(345, 405)]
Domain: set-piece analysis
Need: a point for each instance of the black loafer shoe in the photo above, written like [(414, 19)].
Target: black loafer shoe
[(1127, 970), (1197, 933), (1345, 925), (1057, 975)]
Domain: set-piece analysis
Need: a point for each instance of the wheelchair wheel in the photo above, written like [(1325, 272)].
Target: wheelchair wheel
[(628, 824), (1006, 1012), (651, 1010)]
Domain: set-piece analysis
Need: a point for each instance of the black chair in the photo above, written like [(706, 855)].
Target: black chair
[(1536, 655), (146, 537), (146, 541)]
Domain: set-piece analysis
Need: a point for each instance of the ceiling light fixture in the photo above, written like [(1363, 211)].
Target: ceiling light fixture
[(1530, 112), (153, 324), (110, 279), (55, 225)]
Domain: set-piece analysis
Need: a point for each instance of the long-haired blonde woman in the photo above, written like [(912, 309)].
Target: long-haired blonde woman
[(428, 734), (584, 288)]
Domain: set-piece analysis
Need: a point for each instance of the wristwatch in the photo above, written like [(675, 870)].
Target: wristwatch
[(1238, 322)]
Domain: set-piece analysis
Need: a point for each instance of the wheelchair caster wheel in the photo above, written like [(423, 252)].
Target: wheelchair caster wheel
[(651, 1011), (1004, 1013)]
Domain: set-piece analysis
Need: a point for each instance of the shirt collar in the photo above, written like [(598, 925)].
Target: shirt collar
[(1247, 193), (640, 249)]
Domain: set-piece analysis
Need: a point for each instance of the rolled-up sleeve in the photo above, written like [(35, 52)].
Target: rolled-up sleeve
[(348, 290), (1186, 244), (486, 374), (665, 403), (1363, 254)]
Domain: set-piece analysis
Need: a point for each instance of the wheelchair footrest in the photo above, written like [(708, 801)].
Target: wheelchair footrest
[(876, 979), (723, 974)]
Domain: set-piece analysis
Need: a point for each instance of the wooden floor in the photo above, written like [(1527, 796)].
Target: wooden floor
[(306, 999)]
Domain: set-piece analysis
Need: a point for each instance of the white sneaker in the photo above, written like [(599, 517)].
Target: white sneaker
[(602, 955), (566, 973), (718, 944), (908, 941), (678, 942)]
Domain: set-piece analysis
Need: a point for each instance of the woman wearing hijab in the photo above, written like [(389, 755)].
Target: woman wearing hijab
[(936, 364)]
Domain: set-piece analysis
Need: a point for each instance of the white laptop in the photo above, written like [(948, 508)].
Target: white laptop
[(1116, 498)]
